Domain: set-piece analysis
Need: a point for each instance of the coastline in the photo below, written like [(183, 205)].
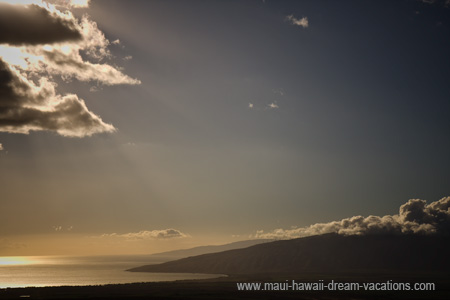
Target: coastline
[(225, 288)]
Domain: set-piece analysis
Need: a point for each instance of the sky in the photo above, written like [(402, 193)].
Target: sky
[(145, 126)]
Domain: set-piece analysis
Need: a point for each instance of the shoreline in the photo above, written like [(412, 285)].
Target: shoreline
[(207, 277)]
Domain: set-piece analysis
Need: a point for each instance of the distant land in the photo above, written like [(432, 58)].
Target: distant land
[(322, 253), (181, 253)]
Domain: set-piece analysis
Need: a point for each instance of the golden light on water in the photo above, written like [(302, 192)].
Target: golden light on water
[(16, 260)]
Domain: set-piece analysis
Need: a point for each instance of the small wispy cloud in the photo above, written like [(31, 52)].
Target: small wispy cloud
[(116, 42), (279, 92), (148, 234), (414, 217), (62, 228), (95, 89), (273, 105), (6, 244), (128, 57), (251, 105), (303, 22)]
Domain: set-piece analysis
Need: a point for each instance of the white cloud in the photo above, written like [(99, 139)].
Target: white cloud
[(79, 3), (145, 234), (66, 3), (250, 105), (303, 22), (415, 217), (71, 65), (273, 105), (128, 57)]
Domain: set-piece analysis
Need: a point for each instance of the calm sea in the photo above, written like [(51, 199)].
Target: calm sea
[(26, 271)]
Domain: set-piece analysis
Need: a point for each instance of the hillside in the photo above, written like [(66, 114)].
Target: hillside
[(324, 253), (181, 253)]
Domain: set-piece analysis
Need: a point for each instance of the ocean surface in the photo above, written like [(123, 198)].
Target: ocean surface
[(38, 271)]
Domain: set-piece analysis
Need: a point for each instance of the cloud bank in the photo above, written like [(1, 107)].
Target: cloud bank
[(40, 40), (414, 217), (145, 235)]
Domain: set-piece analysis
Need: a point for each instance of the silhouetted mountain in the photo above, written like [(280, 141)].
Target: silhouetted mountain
[(175, 254), (323, 253)]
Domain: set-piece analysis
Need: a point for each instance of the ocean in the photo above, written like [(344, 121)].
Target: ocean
[(39, 271)]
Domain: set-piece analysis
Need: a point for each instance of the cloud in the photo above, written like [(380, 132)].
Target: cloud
[(71, 65), (38, 42), (273, 105), (79, 3), (25, 106), (145, 235), (34, 25), (414, 217), (303, 22), (250, 105), (61, 228), (279, 92), (62, 3), (67, 62), (1, 147)]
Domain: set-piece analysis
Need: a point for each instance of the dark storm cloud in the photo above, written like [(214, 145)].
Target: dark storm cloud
[(415, 217), (28, 97), (25, 107), (34, 25)]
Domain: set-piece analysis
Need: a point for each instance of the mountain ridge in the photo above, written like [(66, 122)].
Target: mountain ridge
[(321, 253), (195, 251)]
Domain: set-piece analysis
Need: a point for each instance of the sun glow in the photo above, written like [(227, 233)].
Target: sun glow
[(79, 3), (16, 260), (23, 2)]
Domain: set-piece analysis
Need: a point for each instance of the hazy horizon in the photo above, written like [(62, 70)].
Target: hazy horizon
[(138, 127)]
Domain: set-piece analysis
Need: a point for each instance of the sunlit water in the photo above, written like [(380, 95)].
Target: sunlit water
[(38, 271)]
